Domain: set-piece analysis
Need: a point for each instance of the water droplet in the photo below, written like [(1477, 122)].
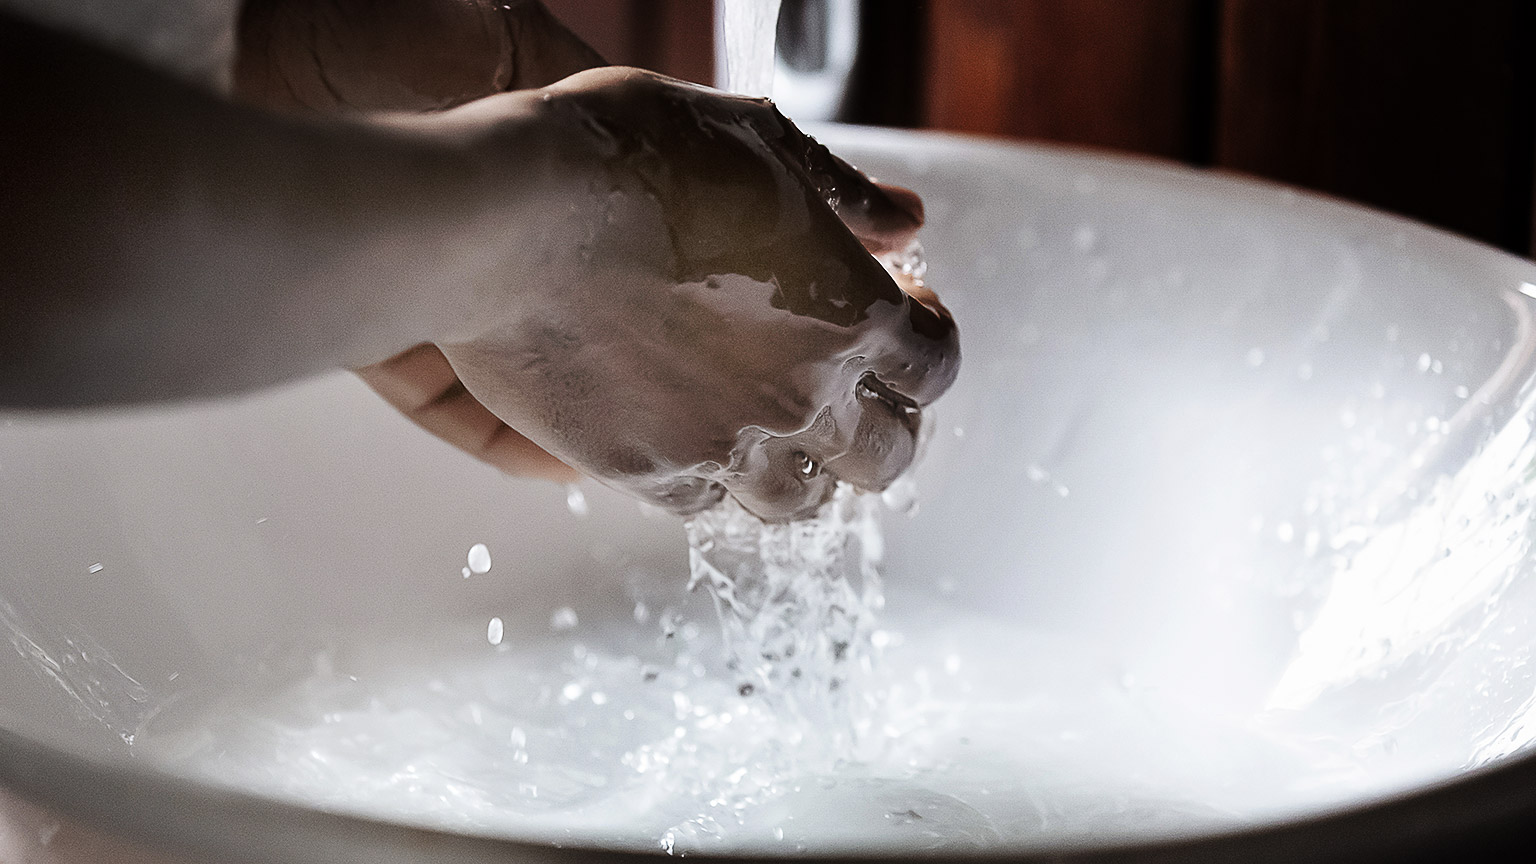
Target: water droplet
[(901, 496), (1462, 391), (1255, 357), (1425, 361), (576, 501), (465, 572), (493, 631), (642, 612), (479, 558), (563, 619), (1084, 238), (1285, 532)]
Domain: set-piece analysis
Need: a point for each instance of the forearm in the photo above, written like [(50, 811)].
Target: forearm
[(157, 242)]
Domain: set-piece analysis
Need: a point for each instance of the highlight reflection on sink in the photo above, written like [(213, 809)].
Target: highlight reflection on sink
[(1224, 459)]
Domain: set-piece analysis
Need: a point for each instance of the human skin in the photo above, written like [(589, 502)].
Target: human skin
[(641, 277), (353, 56)]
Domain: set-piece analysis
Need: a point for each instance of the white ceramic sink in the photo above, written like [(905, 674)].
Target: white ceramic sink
[(1251, 456)]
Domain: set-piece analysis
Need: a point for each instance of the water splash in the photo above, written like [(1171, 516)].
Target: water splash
[(797, 603), (747, 37)]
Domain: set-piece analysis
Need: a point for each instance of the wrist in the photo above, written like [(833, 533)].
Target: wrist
[(520, 190)]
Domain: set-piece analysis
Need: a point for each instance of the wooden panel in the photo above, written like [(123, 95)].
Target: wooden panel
[(1422, 107), (677, 38), (607, 25), (674, 37), (1108, 73)]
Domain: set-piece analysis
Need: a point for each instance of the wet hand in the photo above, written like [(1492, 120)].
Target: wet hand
[(360, 56), (707, 317), (745, 344)]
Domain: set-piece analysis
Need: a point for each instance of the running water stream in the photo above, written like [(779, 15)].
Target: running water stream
[(796, 602), (747, 30)]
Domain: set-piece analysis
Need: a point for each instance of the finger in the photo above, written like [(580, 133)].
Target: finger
[(883, 216), (423, 386), (918, 290), (882, 444), (913, 348), (779, 481), (886, 222), (919, 360)]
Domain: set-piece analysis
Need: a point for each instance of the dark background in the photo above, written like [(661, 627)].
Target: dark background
[(1422, 107)]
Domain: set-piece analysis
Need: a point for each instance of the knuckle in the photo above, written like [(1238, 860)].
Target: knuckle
[(779, 482), (883, 444)]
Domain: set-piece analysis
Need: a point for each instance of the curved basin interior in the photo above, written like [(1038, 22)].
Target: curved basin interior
[(1226, 521)]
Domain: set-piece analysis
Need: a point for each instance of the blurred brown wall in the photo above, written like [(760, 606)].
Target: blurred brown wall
[(674, 37), (1105, 73), (1424, 107)]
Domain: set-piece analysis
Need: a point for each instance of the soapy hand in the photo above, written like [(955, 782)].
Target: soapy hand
[(708, 316), (705, 322)]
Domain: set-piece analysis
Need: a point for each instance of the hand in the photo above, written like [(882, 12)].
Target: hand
[(768, 393), (350, 56), (703, 322)]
